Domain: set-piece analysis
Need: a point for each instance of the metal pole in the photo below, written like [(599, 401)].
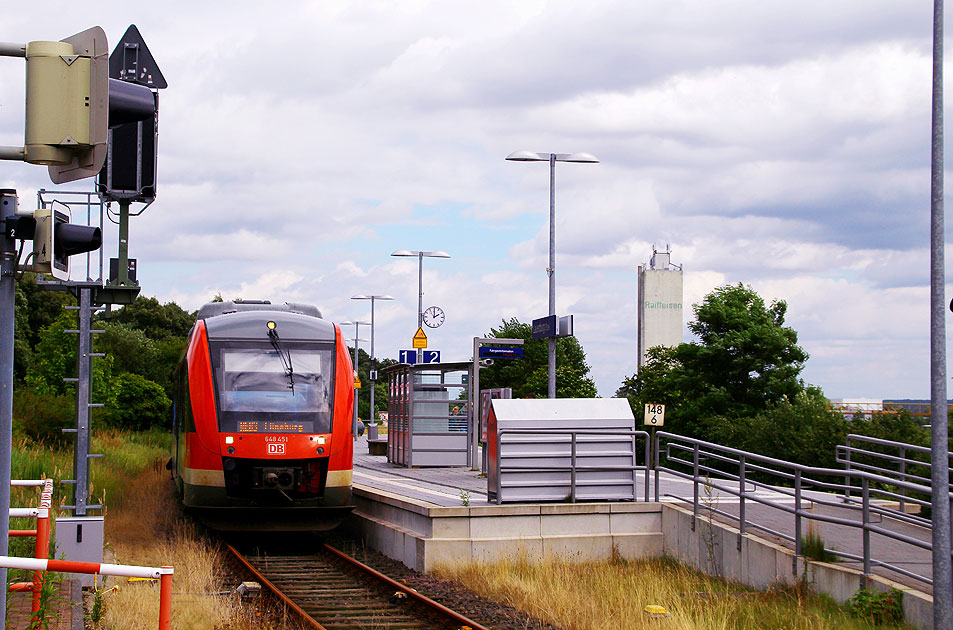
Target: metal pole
[(552, 271), (370, 368), (420, 301), (83, 386), (123, 258), (8, 260), (474, 405), (940, 463), (357, 326)]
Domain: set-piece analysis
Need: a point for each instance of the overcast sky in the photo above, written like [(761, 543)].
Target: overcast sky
[(781, 145)]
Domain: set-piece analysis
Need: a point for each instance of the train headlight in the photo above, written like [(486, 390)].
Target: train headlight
[(320, 450), (230, 450)]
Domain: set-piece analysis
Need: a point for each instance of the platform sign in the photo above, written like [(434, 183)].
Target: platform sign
[(654, 415), (420, 338), (500, 352), (544, 327), (407, 356), (431, 356)]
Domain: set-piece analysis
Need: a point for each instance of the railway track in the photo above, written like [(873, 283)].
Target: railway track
[(332, 591)]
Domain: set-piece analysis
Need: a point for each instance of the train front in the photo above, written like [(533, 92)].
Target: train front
[(270, 448)]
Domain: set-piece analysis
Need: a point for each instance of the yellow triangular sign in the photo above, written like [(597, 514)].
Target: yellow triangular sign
[(420, 338)]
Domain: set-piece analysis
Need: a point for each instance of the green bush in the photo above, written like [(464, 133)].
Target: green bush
[(876, 607), (138, 404), (43, 416)]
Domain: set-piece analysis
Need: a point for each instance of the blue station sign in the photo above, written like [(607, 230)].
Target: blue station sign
[(544, 327), (500, 352)]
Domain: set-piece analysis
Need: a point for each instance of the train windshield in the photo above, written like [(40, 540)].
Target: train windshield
[(262, 389)]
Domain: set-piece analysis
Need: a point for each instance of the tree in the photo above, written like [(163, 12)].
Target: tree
[(744, 361), (156, 321), (54, 359), (139, 403), (529, 376), (380, 387)]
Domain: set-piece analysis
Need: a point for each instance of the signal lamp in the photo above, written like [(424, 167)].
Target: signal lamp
[(55, 239)]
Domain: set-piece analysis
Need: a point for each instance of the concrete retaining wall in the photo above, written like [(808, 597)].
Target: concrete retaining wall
[(713, 548)]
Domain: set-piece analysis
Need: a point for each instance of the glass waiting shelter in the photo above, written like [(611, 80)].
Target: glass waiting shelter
[(428, 414)]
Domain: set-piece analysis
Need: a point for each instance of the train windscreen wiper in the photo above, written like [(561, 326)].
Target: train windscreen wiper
[(285, 362)]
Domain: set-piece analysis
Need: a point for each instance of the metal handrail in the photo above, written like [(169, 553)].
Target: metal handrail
[(843, 456), (573, 468), (801, 476)]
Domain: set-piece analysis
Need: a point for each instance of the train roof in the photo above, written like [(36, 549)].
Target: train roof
[(214, 309)]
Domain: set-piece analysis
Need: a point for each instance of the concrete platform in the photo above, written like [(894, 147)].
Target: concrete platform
[(428, 516)]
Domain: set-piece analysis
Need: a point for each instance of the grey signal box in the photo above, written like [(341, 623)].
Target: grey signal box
[(80, 539)]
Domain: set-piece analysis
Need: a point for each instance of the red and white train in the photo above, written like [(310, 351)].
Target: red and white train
[(263, 418)]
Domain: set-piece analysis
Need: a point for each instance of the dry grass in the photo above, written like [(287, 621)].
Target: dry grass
[(146, 528), (609, 596)]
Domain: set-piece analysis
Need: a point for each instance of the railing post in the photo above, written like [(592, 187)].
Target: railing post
[(694, 485), (655, 465), (648, 464), (866, 518), (847, 478), (165, 599), (741, 499), (903, 477), (797, 518), (572, 470)]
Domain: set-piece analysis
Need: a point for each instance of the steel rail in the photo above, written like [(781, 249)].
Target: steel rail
[(422, 599), (406, 589), (274, 589)]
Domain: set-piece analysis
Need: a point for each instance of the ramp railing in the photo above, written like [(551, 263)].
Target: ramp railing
[(897, 460), (714, 469)]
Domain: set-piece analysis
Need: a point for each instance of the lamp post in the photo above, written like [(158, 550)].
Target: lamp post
[(552, 158), (357, 334), (420, 280), (371, 372)]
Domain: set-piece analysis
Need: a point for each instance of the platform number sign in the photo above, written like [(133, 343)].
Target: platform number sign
[(654, 415)]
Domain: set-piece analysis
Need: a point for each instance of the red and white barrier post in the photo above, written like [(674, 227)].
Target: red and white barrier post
[(42, 533), (163, 574)]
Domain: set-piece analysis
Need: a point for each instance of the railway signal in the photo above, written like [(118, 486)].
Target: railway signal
[(55, 239), (71, 103)]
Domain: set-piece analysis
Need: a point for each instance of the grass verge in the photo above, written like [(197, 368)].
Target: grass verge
[(612, 595), (144, 526)]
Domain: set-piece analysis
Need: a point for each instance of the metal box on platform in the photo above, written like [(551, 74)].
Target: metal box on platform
[(428, 414), (561, 449)]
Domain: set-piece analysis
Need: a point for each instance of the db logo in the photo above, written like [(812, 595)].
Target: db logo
[(276, 449)]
